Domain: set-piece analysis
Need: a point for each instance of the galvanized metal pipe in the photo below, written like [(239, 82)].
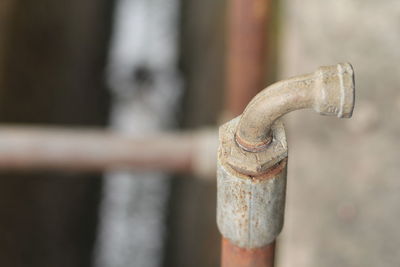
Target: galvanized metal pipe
[(34, 148), (251, 201), (252, 179), (329, 91)]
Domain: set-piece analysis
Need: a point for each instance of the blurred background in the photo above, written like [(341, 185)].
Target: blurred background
[(149, 66)]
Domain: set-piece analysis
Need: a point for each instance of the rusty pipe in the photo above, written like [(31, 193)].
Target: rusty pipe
[(246, 52), (235, 256), (328, 91), (252, 182), (246, 65), (41, 148)]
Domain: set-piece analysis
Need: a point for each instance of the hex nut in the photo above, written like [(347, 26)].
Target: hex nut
[(251, 163)]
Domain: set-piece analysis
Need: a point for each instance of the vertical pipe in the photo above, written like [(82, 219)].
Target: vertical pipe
[(252, 182), (234, 256), (247, 31)]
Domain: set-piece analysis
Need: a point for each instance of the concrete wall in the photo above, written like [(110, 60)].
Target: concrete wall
[(343, 181)]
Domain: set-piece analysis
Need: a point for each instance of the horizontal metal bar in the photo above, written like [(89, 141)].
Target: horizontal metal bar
[(30, 148)]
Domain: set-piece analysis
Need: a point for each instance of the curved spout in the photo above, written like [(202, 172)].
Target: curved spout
[(329, 91)]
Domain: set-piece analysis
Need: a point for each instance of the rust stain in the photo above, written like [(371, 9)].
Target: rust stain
[(271, 172), (254, 148)]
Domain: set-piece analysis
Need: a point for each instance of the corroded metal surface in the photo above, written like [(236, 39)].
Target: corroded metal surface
[(252, 155), (246, 62), (234, 256), (250, 208), (329, 91), (251, 163)]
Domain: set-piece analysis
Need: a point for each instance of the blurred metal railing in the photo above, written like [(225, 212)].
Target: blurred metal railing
[(39, 148)]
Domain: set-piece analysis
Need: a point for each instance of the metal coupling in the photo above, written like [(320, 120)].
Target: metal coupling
[(252, 154)]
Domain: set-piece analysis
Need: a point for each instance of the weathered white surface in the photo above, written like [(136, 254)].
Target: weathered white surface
[(143, 77), (343, 175), (328, 91), (250, 213), (249, 210), (252, 163)]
